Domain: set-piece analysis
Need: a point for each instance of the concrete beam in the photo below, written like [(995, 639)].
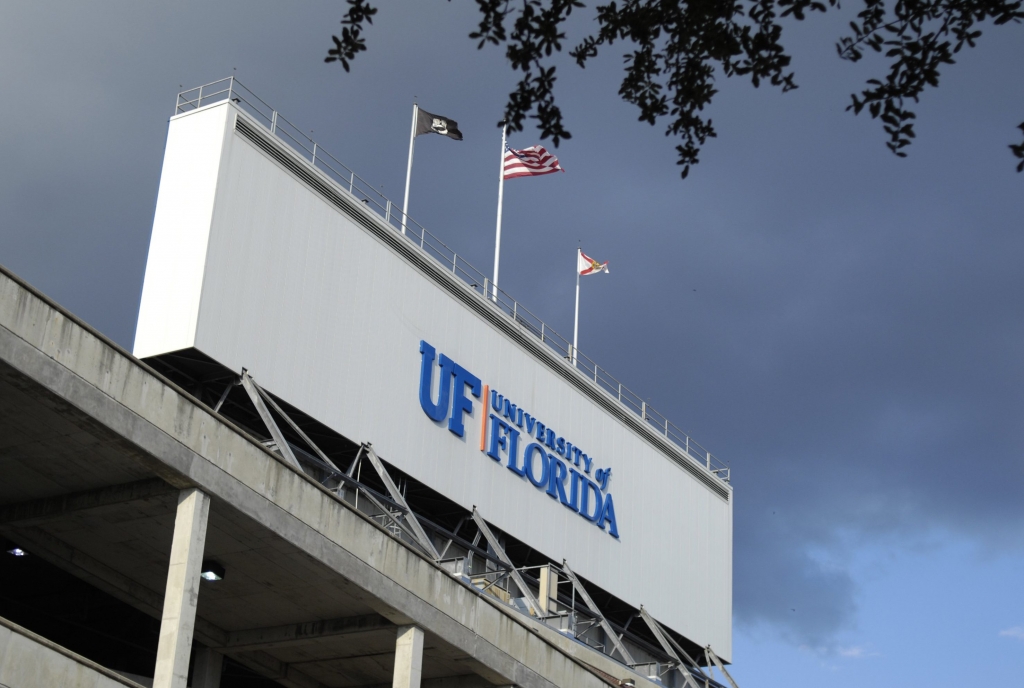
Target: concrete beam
[(43, 510), (277, 636), (465, 681), (274, 669)]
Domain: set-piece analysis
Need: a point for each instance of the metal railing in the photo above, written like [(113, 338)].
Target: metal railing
[(231, 89)]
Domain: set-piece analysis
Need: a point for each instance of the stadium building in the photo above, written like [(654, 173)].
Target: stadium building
[(391, 474)]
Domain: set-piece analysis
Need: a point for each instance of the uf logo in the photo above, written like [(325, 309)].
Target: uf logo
[(461, 404)]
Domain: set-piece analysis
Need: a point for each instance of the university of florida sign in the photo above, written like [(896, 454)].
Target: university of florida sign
[(530, 449)]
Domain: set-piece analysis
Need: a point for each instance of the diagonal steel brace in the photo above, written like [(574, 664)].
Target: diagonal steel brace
[(294, 426), (605, 626), (719, 664), (268, 420), (396, 494), (500, 551), (670, 646)]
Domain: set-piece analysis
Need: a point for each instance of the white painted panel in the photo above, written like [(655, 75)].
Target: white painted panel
[(181, 227), (328, 317)]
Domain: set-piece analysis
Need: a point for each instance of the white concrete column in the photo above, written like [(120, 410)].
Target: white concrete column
[(408, 657), (207, 667), (179, 616)]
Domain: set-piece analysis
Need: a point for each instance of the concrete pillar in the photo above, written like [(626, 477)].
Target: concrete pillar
[(206, 669), (408, 657), (179, 615)]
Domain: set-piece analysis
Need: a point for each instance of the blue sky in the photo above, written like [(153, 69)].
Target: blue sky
[(843, 327), (937, 614)]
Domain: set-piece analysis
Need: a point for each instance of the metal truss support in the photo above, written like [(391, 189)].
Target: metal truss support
[(264, 402), (351, 472), (396, 495), (404, 526), (672, 649), (469, 554), (500, 551), (605, 626), (294, 426), (224, 395), (718, 663), (455, 534), (268, 420)]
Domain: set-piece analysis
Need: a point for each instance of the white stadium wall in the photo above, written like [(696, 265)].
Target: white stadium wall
[(259, 261)]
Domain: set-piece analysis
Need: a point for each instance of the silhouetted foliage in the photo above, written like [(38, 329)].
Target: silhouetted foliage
[(351, 40), (1018, 150), (677, 47)]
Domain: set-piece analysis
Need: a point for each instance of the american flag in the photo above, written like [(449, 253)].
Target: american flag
[(529, 162)]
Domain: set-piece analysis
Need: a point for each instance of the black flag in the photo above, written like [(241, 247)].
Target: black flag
[(427, 123)]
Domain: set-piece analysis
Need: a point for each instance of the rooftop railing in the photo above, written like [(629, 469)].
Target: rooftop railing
[(231, 89)]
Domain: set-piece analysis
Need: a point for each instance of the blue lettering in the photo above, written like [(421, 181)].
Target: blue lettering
[(590, 487), (528, 464), (556, 481), (607, 515), (461, 405), (589, 498), (510, 410), (513, 445), (438, 411), (496, 439), (510, 443), (574, 490), (513, 455)]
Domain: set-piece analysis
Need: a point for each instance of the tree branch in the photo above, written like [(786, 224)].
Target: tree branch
[(679, 46)]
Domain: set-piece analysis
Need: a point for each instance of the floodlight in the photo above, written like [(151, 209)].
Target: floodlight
[(212, 571), (17, 551)]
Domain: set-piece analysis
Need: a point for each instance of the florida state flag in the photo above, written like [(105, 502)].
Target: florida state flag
[(587, 265)]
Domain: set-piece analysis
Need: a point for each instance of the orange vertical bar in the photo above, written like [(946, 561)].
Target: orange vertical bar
[(484, 413)]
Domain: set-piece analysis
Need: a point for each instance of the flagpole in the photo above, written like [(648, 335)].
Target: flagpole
[(408, 170), (576, 320), (501, 192)]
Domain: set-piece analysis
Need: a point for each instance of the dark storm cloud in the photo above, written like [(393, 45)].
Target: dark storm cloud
[(843, 327)]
